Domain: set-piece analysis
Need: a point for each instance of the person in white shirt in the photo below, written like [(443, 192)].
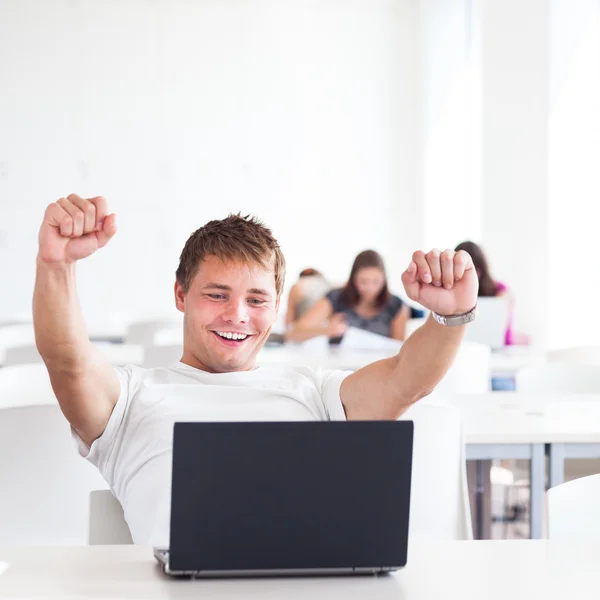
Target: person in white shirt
[(228, 286)]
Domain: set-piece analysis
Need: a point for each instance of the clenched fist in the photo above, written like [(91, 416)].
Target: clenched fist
[(74, 228), (444, 282)]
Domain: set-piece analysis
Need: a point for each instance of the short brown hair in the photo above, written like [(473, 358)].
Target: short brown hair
[(236, 237), (367, 258)]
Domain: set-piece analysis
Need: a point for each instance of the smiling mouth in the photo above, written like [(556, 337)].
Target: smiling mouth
[(231, 339)]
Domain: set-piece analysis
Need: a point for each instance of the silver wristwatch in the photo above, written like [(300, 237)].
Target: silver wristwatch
[(454, 320)]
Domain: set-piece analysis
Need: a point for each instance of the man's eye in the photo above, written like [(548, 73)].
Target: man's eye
[(256, 301), (216, 296)]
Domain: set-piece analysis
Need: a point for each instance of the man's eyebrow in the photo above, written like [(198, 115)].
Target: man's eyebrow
[(259, 292), (221, 286), (218, 286)]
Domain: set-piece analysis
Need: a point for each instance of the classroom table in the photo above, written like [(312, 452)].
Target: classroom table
[(494, 570)]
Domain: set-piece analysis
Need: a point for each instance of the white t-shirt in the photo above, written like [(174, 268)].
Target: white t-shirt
[(135, 451)]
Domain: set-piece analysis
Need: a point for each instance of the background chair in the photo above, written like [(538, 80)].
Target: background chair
[(142, 332), (21, 355), (168, 336), (574, 510), (107, 525), (44, 484), (583, 355), (25, 385), (470, 372), (439, 504), (15, 335), (162, 356), (559, 378)]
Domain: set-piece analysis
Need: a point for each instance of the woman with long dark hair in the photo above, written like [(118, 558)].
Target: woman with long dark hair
[(488, 286), (364, 302)]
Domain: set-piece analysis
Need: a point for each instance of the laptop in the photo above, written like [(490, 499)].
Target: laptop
[(292, 498), (489, 327)]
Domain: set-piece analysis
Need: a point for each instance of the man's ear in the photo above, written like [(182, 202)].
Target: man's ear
[(179, 297)]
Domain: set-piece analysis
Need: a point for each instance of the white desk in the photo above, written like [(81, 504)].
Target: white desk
[(506, 362), (470, 371), (466, 570), (324, 358), (508, 425), (503, 363)]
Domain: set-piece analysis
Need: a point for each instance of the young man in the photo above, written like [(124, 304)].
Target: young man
[(228, 286)]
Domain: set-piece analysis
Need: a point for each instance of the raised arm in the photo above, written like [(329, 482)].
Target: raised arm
[(84, 383), (445, 283)]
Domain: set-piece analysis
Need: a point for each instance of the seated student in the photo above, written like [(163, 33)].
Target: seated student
[(228, 286), (488, 286), (365, 302), (310, 287)]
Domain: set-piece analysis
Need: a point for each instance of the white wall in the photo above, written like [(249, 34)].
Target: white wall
[(302, 112), (574, 172), (514, 75), (344, 124), (451, 127)]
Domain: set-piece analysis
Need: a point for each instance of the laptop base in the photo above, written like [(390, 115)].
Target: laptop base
[(162, 556)]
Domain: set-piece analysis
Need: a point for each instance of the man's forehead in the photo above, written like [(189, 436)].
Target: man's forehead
[(215, 269)]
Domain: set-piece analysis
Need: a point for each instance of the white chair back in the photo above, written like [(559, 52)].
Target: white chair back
[(115, 354), (121, 354), (15, 335), (584, 355), (439, 505), (470, 372), (168, 336), (143, 332), (107, 525), (162, 356), (21, 355), (25, 385), (574, 510), (559, 378), (44, 484)]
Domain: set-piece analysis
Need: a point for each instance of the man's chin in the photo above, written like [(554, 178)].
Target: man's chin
[(236, 363)]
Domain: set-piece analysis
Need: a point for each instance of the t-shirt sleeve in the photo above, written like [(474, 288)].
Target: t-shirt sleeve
[(330, 393), (334, 297), (100, 450)]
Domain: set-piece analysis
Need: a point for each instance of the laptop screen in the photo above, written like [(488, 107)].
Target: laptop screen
[(295, 495)]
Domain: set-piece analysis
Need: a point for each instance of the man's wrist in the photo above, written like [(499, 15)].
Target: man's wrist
[(457, 319)]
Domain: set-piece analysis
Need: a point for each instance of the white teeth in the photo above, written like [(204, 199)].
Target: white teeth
[(232, 336)]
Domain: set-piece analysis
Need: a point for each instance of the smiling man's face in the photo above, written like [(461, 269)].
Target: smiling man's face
[(229, 310)]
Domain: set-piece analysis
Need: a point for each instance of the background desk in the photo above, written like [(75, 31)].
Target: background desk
[(511, 425)]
